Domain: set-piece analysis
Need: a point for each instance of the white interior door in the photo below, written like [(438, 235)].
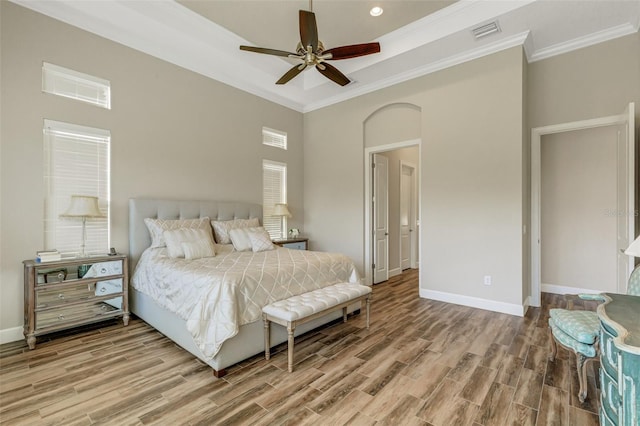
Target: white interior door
[(380, 218), (626, 195), (407, 215)]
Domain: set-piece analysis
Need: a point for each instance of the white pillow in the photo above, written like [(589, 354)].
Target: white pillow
[(176, 237), (158, 226), (221, 228), (240, 239), (198, 249), (260, 239)]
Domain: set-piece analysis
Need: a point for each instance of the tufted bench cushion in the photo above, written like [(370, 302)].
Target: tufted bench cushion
[(308, 306)]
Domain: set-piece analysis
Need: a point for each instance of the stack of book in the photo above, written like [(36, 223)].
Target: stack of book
[(48, 256)]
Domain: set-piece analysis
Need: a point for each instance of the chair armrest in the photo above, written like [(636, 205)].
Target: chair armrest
[(591, 296)]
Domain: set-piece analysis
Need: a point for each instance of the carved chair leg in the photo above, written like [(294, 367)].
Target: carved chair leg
[(581, 365), (552, 346)]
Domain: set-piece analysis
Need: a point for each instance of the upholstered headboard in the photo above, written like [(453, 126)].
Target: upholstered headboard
[(141, 208)]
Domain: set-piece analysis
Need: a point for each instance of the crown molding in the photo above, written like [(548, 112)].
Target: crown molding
[(580, 42)]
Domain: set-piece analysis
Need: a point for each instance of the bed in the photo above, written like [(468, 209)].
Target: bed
[(217, 337)]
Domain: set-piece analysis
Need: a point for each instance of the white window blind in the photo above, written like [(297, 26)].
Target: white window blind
[(76, 85), (76, 162), (274, 184), (275, 138)]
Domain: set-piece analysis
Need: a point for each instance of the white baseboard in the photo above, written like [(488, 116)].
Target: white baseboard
[(11, 335), (474, 302), (394, 272), (560, 289)]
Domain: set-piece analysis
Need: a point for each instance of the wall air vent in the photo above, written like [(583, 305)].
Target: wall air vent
[(486, 29)]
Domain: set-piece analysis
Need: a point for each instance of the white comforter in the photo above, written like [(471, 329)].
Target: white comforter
[(216, 295)]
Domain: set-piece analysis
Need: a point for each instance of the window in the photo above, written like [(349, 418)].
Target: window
[(274, 138), (76, 85), (76, 162), (274, 184)]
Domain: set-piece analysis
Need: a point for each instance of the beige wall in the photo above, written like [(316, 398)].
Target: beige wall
[(175, 134), (471, 166), (596, 81), (578, 194), (593, 82)]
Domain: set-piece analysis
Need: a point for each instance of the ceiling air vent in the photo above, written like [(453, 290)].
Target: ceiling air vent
[(486, 29)]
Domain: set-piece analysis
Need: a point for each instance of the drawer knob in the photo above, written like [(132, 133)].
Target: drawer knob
[(61, 296), (103, 270), (102, 290), (61, 276), (60, 317)]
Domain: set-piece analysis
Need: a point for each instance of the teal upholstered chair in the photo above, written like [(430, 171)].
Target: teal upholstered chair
[(578, 331)]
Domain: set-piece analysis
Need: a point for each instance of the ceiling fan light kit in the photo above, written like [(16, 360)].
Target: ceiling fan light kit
[(311, 53)]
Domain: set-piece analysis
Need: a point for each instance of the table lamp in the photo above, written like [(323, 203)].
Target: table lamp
[(281, 209), (83, 207)]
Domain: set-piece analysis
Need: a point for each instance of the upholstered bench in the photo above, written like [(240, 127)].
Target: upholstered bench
[(305, 307)]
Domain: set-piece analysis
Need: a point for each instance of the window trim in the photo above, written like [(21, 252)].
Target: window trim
[(282, 169), (270, 137), (52, 128), (54, 73)]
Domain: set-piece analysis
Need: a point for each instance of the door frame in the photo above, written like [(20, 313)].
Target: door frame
[(380, 190), (368, 212), (536, 175), (413, 214)]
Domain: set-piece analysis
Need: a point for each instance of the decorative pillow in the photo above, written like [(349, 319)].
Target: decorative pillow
[(221, 228), (176, 237), (158, 226), (240, 239), (260, 239), (198, 249)]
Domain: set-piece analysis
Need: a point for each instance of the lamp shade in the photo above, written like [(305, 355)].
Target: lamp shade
[(281, 209), (634, 248), (83, 206)]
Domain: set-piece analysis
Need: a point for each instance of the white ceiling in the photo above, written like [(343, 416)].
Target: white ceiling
[(416, 37)]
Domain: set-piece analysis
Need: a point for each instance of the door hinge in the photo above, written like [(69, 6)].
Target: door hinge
[(373, 165), (373, 266)]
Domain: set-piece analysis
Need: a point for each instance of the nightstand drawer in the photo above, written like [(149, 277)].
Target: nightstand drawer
[(301, 245), (608, 352), (85, 312), (610, 397), (64, 294), (104, 269)]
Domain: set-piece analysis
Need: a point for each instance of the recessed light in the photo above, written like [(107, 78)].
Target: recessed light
[(376, 11)]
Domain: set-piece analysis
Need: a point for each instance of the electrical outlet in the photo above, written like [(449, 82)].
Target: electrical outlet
[(487, 280)]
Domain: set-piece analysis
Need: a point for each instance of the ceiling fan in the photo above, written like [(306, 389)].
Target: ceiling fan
[(310, 51)]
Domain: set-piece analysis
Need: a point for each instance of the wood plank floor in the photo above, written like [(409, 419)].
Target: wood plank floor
[(422, 362)]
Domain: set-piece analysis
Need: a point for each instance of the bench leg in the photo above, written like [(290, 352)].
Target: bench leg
[(290, 330), (344, 314), (267, 338), (368, 308)]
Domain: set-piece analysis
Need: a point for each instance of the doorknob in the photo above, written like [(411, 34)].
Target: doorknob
[(386, 233)]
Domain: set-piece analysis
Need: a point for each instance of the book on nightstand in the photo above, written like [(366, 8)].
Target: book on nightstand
[(43, 256)]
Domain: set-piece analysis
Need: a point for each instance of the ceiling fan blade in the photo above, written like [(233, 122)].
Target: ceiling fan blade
[(333, 74), (291, 73), (267, 51), (308, 30), (352, 51)]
